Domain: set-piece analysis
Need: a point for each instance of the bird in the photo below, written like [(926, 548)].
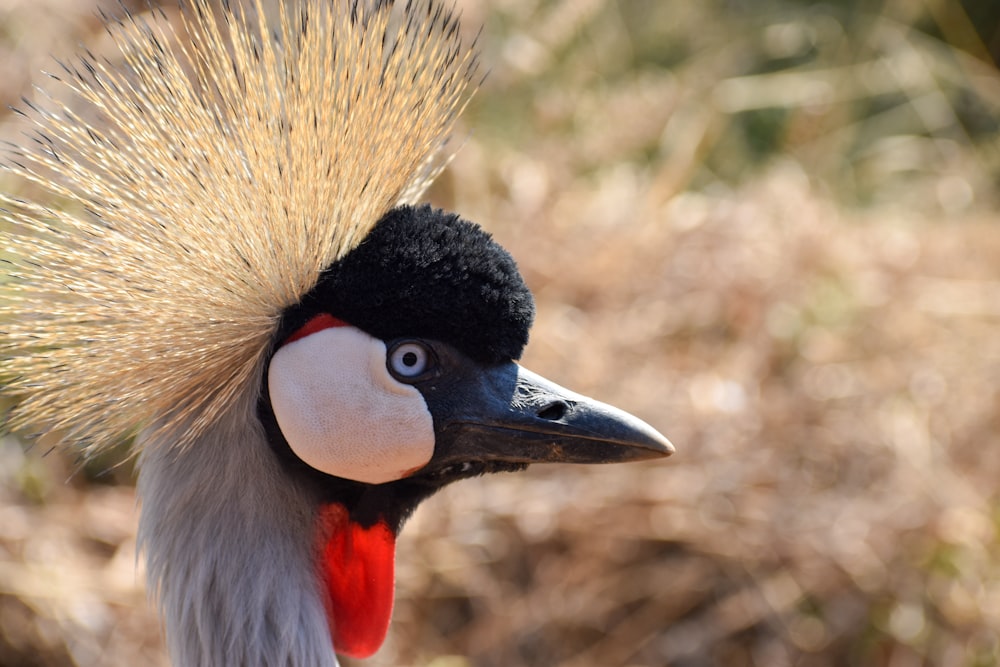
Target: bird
[(222, 258)]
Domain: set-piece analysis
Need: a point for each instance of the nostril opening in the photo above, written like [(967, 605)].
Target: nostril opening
[(553, 411)]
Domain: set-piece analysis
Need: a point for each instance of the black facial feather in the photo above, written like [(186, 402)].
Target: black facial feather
[(425, 273), (420, 273)]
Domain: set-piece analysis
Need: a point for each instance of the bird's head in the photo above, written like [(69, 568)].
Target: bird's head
[(236, 235), (397, 375)]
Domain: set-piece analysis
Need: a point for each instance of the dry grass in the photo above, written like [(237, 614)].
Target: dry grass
[(771, 235)]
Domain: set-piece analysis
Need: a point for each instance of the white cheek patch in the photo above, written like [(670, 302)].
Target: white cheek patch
[(343, 413)]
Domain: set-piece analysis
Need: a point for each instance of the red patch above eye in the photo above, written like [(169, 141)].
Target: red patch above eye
[(357, 570), (317, 323)]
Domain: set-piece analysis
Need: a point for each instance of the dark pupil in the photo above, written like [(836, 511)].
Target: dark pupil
[(410, 359)]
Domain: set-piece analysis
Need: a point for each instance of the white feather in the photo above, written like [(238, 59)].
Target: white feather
[(230, 549), (343, 413)]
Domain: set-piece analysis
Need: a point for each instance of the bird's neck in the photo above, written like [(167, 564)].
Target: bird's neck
[(230, 550)]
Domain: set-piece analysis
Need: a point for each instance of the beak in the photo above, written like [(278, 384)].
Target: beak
[(508, 414)]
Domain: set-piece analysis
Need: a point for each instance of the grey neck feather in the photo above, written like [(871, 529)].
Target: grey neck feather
[(229, 547)]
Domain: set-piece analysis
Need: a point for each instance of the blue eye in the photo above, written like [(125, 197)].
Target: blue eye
[(409, 360)]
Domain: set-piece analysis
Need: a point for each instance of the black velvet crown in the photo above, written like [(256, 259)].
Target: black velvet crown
[(425, 273)]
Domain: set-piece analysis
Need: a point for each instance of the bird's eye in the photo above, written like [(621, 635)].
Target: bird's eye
[(409, 360)]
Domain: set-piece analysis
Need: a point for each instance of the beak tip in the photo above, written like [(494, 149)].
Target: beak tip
[(658, 447)]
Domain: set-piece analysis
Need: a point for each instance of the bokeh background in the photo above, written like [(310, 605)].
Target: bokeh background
[(767, 227)]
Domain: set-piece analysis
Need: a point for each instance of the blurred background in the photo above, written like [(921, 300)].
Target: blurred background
[(765, 226)]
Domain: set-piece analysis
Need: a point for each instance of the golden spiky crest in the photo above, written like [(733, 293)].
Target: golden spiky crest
[(217, 176)]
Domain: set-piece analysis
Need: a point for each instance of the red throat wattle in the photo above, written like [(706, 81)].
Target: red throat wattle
[(357, 571)]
